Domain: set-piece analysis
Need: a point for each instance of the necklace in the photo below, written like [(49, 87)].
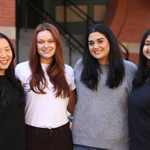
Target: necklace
[(105, 70)]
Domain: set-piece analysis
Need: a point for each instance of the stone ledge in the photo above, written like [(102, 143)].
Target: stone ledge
[(132, 47), (10, 32)]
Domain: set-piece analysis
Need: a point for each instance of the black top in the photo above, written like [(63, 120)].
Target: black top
[(12, 122), (139, 117)]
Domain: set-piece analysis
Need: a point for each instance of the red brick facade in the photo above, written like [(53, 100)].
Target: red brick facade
[(7, 13), (134, 57), (129, 20)]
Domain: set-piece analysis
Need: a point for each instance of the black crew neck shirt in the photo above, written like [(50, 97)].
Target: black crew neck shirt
[(12, 122), (139, 116)]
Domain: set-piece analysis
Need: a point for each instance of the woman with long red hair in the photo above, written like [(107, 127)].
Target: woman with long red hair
[(50, 92)]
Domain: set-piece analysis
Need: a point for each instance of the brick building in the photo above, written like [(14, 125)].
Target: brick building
[(7, 19), (128, 19)]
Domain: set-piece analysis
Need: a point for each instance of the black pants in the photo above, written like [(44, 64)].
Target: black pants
[(49, 139)]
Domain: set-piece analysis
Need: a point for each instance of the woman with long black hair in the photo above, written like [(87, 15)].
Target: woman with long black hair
[(12, 119), (139, 100), (103, 84)]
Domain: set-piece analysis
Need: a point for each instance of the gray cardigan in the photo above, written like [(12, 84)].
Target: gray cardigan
[(101, 117)]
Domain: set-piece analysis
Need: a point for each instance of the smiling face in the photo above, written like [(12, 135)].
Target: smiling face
[(99, 47), (146, 47), (46, 46), (5, 55)]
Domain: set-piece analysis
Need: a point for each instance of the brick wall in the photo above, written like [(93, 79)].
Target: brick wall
[(133, 57), (130, 21), (7, 19), (7, 12)]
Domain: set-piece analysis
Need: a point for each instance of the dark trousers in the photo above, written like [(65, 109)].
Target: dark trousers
[(49, 139)]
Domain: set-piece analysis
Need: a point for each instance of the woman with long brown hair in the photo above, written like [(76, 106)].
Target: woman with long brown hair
[(50, 88)]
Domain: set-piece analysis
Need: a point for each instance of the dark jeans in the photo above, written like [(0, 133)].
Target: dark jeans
[(79, 147), (49, 139)]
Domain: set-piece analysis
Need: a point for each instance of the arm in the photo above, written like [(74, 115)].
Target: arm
[(72, 101)]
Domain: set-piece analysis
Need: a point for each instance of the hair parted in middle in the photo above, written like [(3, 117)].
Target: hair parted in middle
[(14, 84), (143, 63), (90, 75), (55, 70)]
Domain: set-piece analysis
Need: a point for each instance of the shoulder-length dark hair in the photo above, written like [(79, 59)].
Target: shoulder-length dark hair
[(14, 84), (55, 69), (143, 64), (90, 75)]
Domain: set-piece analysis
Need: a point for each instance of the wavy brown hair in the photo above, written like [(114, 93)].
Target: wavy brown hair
[(55, 70)]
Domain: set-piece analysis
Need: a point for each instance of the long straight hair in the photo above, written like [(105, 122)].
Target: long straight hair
[(14, 84), (55, 70), (143, 63), (90, 74)]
